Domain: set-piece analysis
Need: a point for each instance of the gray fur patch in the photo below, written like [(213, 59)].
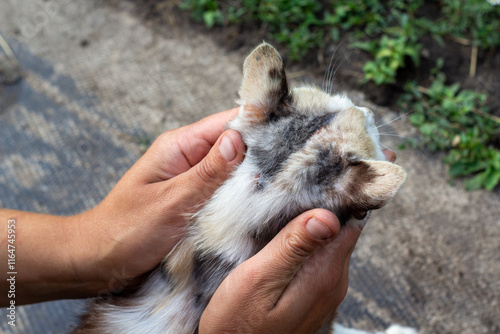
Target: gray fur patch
[(295, 130), (328, 167), (208, 272)]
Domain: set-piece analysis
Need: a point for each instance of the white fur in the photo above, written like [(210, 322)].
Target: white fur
[(180, 312), (372, 130), (236, 210), (393, 329)]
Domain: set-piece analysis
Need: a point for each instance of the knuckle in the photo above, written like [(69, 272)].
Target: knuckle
[(207, 171), (166, 136), (298, 246)]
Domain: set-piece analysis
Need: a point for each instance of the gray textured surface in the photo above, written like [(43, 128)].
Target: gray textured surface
[(98, 81)]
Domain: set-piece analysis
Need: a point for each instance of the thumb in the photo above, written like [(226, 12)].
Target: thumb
[(200, 182), (280, 260)]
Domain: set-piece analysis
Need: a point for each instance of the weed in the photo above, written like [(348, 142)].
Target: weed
[(292, 23), (473, 19), (390, 52), (456, 121), (206, 11)]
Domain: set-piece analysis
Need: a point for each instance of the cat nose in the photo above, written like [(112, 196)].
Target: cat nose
[(390, 155)]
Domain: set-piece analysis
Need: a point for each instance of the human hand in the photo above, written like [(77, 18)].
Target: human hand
[(293, 285), (145, 214)]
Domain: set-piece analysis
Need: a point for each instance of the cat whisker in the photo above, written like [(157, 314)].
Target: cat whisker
[(394, 135), (388, 131), (326, 77), (329, 76), (329, 83), (395, 119), (334, 75), (386, 147)]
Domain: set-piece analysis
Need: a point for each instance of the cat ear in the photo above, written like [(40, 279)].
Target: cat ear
[(264, 91), (379, 183)]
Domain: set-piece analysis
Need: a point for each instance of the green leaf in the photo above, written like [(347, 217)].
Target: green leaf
[(366, 46), (384, 53), (465, 168), (417, 119), (428, 128), (476, 182), (492, 178), (211, 18)]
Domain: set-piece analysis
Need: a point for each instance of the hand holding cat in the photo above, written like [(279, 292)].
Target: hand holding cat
[(294, 285), (103, 250), (145, 215)]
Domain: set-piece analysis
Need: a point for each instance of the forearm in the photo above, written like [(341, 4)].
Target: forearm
[(46, 250)]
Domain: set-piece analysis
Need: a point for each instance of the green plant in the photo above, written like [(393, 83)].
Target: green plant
[(471, 156), (474, 19), (390, 52), (292, 23), (372, 16), (389, 56), (456, 121), (206, 11)]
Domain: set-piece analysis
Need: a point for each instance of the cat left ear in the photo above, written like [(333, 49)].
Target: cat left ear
[(264, 91)]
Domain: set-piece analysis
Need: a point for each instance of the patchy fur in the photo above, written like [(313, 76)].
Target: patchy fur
[(306, 149)]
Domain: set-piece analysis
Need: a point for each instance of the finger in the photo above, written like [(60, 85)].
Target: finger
[(279, 261), (200, 182), (176, 151), (321, 282), (202, 135), (211, 127)]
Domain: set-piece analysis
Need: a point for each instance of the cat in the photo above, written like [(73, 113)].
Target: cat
[(305, 149)]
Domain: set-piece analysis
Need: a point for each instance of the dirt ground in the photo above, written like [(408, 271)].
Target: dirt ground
[(109, 76)]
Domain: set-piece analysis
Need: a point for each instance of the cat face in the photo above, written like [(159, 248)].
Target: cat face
[(317, 149)]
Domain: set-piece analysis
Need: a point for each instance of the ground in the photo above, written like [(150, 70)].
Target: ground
[(100, 80)]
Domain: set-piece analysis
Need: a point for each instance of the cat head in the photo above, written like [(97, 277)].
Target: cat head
[(317, 149)]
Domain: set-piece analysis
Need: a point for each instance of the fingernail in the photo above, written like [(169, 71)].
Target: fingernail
[(227, 149), (317, 229)]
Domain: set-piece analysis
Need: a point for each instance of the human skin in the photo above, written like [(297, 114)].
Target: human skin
[(295, 282), (132, 229)]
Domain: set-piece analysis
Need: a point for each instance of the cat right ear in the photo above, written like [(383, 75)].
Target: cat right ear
[(383, 180), (264, 91)]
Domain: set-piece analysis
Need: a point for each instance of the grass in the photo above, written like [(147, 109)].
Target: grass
[(447, 117)]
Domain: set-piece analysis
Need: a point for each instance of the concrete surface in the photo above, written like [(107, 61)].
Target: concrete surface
[(99, 83)]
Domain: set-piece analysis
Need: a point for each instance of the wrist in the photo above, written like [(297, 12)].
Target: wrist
[(48, 254), (84, 256)]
